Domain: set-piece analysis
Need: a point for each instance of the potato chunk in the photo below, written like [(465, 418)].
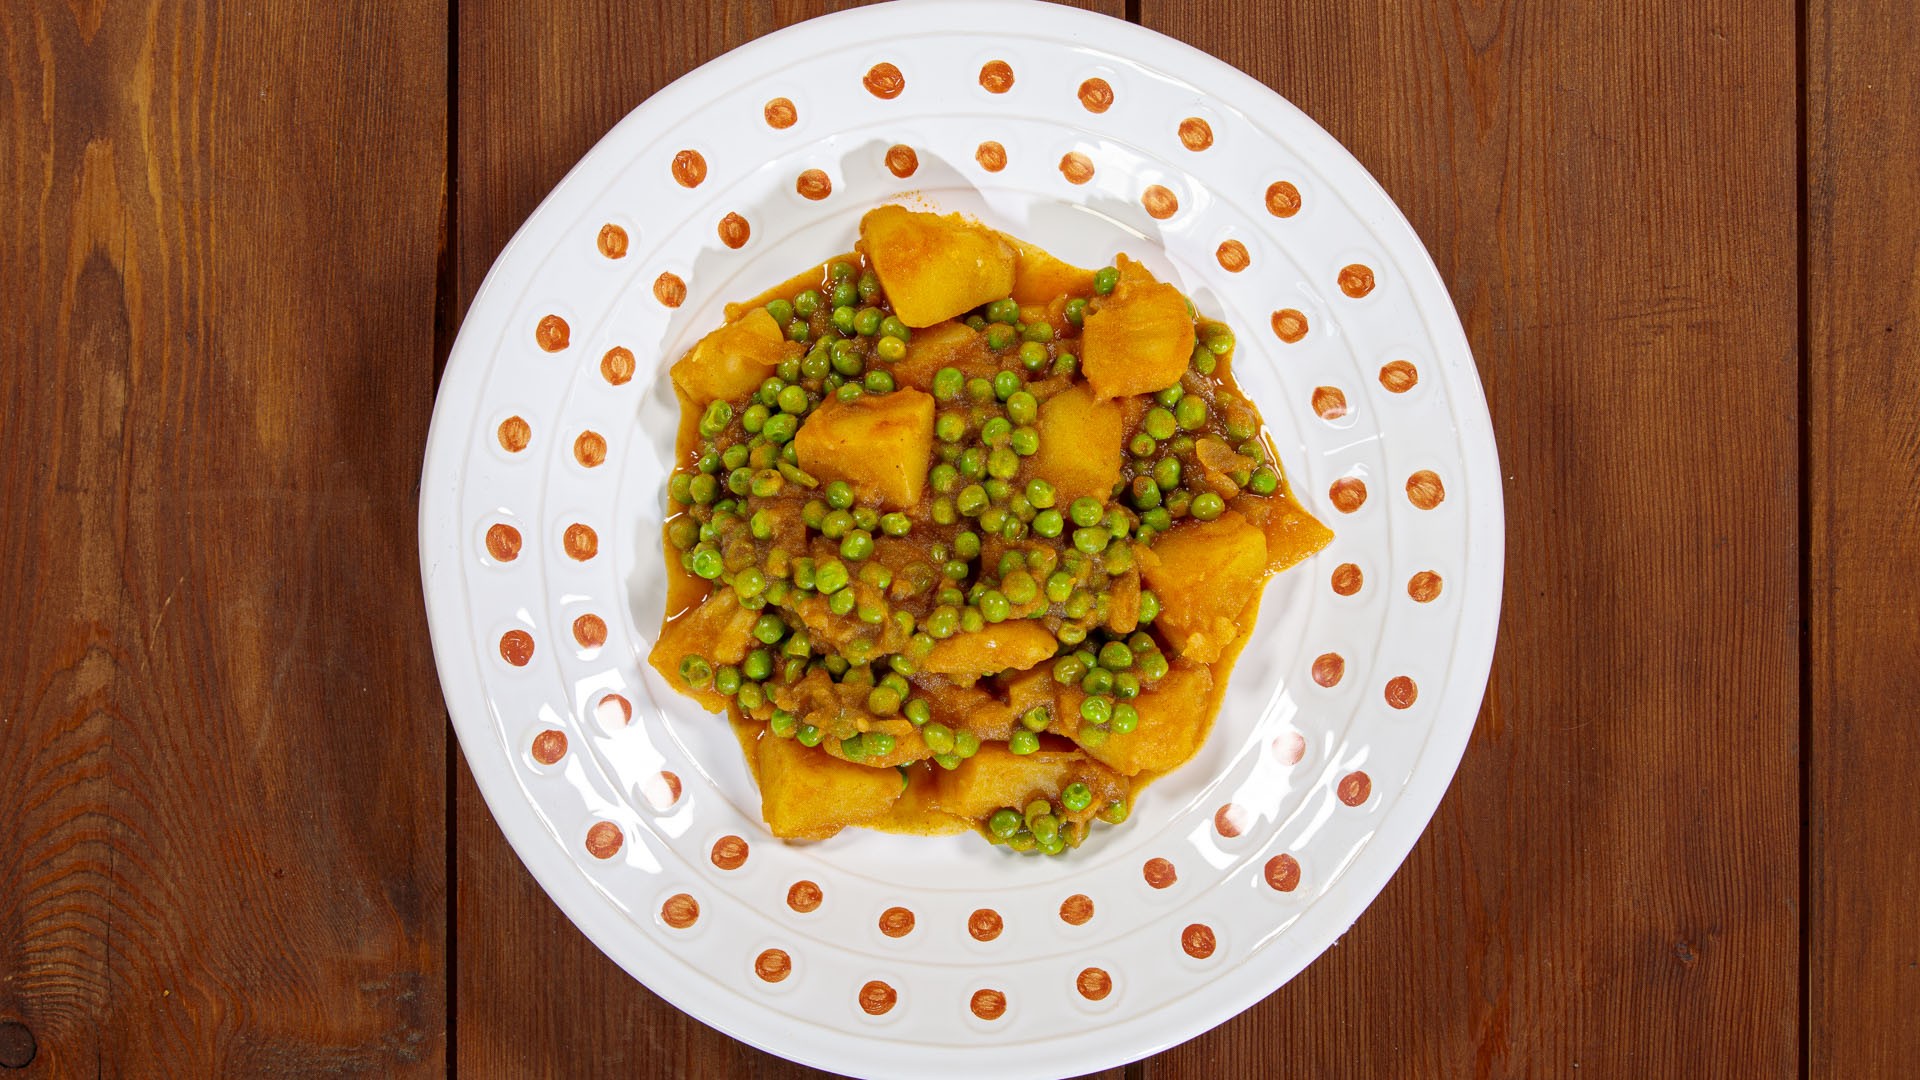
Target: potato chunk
[(1173, 721), (1204, 573), (935, 267), (997, 777), (1007, 646), (1080, 437), (879, 443), (732, 360), (719, 631), (807, 795), (1140, 340), (1038, 277)]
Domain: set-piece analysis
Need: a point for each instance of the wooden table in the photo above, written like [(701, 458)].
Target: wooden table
[(237, 840)]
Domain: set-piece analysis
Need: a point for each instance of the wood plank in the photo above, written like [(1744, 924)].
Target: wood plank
[(1863, 536), (1609, 191), (537, 88), (221, 743)]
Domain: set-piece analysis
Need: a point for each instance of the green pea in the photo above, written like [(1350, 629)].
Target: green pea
[(948, 383), (682, 532), (995, 431), (1005, 384), (1068, 670), (1202, 361), (831, 576), (708, 564), (879, 382), (1157, 519), (866, 322), (845, 294), (894, 328), (1114, 812), (883, 701), (972, 463), (799, 331), (1025, 441), (839, 494), (938, 737), (1190, 413), (943, 622), (944, 512), (1065, 364), (1086, 511), (919, 712), (695, 671), (1118, 558), (1166, 473), (1041, 561), (767, 483), (1240, 426), (869, 286), (979, 390), (842, 602), (841, 271), (1076, 797), (1115, 656), (1171, 395), (1264, 481), (857, 545), (994, 606), (1003, 311), (891, 349), (1021, 841), (1020, 587), (1218, 339), (1149, 606), (1040, 493), (1038, 333), (754, 418), (1033, 355), (955, 570), (1048, 523), (999, 491), (807, 735), (1096, 710), (1046, 829), (1104, 279), (971, 500), (896, 524), (779, 429), (1142, 445), (1003, 463), (709, 461), (680, 489), (727, 680), (719, 414), (836, 524), (783, 724), (842, 317), (1178, 502), (1125, 718), (781, 310), (971, 621), (1004, 823), (950, 428), (1091, 540), (1159, 423), (1096, 681), (758, 665), (1023, 742), (854, 747), (966, 545), (1207, 506), (750, 582), (994, 519)]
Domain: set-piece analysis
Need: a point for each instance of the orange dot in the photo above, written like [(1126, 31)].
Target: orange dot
[(1283, 873), (1096, 95), (773, 965), (991, 156), (989, 1004), (877, 998), (663, 791), (1159, 873), (581, 542), (670, 290), (1160, 202), (1094, 984), (804, 897), (1328, 667), (729, 853), (1076, 167), (1354, 788), (1401, 692), (1075, 910), (780, 113), (901, 160), (1290, 325), (516, 647), (813, 184), (896, 922), (1329, 402), (549, 746), (1233, 256), (613, 241), (1195, 133), (1348, 494), (514, 434), (1356, 280), (1424, 489), (689, 168), (604, 840), (552, 333), (1226, 821), (617, 366), (680, 911), (614, 703), (1399, 376), (503, 542), (1347, 579), (1283, 199), (1424, 587), (883, 80), (590, 449), (996, 76), (590, 631), (1198, 940), (1290, 748), (985, 924), (734, 230)]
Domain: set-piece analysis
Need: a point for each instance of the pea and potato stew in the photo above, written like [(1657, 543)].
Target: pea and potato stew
[(965, 537)]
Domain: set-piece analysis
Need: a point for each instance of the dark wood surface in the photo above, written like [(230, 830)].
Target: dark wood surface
[(235, 838)]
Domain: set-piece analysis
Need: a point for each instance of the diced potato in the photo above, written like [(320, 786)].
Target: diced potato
[(1293, 534), (1030, 689), (1038, 277), (947, 344), (1080, 438), (1014, 645), (997, 777), (719, 630), (1139, 341), (879, 443), (1204, 573), (965, 706), (807, 795), (915, 813), (1173, 720), (935, 267), (731, 361)]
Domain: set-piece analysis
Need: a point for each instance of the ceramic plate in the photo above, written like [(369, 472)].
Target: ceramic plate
[(544, 492)]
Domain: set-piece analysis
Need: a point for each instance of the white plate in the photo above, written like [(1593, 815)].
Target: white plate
[(1330, 784)]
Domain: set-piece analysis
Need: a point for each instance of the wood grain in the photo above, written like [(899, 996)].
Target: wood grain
[(1609, 191), (1863, 537), (537, 88), (221, 801)]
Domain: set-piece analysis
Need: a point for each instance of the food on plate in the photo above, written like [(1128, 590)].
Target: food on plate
[(964, 537)]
